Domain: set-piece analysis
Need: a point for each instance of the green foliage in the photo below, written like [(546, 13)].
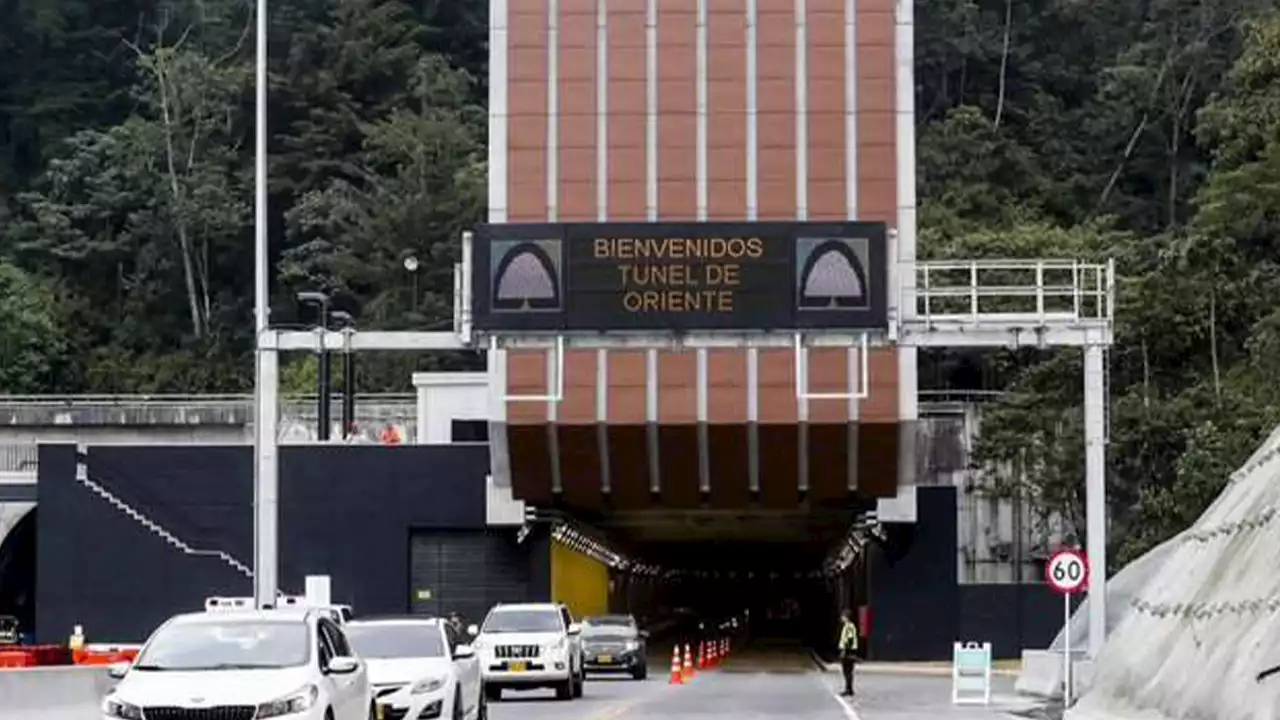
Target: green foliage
[(1164, 155), (128, 189), (33, 332)]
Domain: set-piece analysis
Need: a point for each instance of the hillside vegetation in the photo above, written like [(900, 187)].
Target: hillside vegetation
[(1148, 132)]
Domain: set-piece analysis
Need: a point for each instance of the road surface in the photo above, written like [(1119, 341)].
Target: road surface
[(774, 684)]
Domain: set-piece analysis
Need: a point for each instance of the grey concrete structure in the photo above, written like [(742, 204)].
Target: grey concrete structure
[(176, 419)]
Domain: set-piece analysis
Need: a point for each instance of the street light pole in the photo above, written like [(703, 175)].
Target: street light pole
[(323, 383), (348, 325), (266, 480)]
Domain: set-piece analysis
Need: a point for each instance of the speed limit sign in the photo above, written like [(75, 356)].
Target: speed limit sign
[(1068, 572)]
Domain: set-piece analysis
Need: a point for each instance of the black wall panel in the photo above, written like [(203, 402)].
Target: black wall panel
[(919, 609), (914, 595), (346, 511), (102, 569), (1010, 617)]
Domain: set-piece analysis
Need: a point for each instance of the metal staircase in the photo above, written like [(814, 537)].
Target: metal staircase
[(82, 477)]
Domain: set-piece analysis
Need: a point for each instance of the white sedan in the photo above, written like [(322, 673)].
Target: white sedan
[(420, 669), (250, 665)]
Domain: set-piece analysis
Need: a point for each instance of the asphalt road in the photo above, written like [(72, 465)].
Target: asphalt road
[(765, 684)]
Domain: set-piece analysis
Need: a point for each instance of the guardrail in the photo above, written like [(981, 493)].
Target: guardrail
[(179, 400), (53, 693)]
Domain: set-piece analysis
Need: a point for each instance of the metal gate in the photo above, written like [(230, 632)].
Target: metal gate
[(467, 572)]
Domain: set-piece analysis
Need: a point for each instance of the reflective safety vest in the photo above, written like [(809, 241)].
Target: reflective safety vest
[(848, 636)]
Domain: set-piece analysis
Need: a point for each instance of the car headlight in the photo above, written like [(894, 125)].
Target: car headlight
[(297, 701), (427, 685), (116, 708), (632, 646)]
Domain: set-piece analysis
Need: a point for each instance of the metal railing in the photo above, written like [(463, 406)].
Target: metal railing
[(1037, 291)]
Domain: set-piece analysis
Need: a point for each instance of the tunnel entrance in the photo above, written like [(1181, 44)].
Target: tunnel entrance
[(18, 573), (779, 578)]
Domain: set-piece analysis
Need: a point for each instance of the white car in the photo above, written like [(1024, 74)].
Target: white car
[(420, 669), (527, 646), (250, 665)]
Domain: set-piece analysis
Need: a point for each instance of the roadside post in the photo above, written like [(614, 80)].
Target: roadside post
[(971, 673), (1068, 574)]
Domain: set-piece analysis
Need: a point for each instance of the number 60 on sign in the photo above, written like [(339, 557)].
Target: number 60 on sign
[(1068, 572)]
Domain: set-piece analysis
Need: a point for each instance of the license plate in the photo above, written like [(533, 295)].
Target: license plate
[(605, 659), (517, 667), (381, 711)]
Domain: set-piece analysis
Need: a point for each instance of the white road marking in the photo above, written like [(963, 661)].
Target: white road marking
[(845, 703)]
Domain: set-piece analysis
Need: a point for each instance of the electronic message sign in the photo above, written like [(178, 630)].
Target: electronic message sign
[(679, 276)]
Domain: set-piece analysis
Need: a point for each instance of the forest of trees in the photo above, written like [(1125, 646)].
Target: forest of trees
[(1142, 130)]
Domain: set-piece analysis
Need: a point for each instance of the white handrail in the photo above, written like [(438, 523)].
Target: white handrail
[(1090, 290)]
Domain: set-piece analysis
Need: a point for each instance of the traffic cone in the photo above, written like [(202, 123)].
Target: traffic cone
[(702, 656), (677, 677), (712, 659), (688, 664)]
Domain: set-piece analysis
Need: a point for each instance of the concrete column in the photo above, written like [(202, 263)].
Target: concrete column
[(1096, 494), (266, 489)]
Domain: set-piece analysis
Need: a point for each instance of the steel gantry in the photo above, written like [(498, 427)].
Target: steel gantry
[(979, 304)]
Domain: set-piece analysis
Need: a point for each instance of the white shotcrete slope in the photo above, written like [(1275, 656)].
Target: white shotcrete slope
[(1207, 622)]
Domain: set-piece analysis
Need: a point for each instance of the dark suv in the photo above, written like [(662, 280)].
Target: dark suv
[(614, 643)]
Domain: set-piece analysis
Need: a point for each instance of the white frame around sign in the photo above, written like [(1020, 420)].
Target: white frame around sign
[(958, 649)]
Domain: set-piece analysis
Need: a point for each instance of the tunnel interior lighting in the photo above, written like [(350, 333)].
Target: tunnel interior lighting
[(581, 541), (865, 529)]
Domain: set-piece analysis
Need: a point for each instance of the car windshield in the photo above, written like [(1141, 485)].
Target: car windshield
[(522, 621), (396, 640), (609, 627), (227, 646)]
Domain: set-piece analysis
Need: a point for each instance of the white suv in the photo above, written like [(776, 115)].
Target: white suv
[(522, 647)]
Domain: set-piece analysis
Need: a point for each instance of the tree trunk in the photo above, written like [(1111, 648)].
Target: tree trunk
[(179, 201), (1213, 338), (1004, 61)]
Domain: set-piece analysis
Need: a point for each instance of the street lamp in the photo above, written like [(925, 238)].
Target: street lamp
[(266, 467), (411, 266), (342, 319), (321, 301)]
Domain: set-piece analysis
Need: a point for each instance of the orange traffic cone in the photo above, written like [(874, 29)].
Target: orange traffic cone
[(688, 664), (677, 677), (702, 656)]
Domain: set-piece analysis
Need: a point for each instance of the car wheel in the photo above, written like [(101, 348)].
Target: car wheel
[(373, 711), (564, 691), (641, 673), (482, 710), (457, 705), (580, 684)]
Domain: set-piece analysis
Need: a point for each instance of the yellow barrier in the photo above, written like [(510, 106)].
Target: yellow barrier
[(579, 581)]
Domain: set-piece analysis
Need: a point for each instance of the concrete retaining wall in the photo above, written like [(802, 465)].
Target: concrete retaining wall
[(52, 693)]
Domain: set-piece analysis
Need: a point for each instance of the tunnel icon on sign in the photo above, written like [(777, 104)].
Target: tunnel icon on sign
[(832, 274), (525, 275)]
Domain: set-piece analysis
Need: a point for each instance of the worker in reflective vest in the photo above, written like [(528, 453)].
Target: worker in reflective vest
[(848, 646)]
